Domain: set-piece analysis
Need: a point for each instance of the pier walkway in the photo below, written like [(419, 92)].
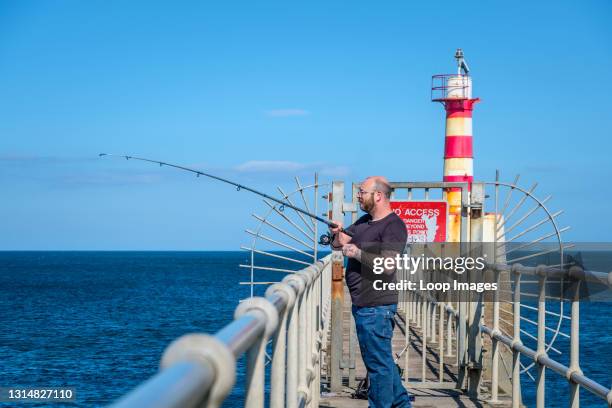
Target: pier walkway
[(431, 394)]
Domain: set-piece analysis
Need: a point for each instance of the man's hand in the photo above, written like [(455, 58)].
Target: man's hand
[(340, 238), (335, 230), (351, 251)]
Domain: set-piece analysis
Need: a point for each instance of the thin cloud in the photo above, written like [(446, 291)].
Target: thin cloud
[(74, 171), (110, 179), (32, 159), (544, 168), (267, 166), (283, 113), (291, 167), (334, 171)]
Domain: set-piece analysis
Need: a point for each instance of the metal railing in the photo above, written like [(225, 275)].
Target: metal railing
[(443, 330), (200, 370), (296, 314), (450, 329), (423, 311), (573, 374), (439, 324)]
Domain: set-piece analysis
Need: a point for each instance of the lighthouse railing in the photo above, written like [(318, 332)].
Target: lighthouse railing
[(200, 370)]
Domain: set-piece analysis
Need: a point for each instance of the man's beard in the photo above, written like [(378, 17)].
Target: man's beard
[(367, 204)]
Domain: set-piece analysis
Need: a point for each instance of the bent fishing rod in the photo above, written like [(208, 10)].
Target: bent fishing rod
[(325, 239)]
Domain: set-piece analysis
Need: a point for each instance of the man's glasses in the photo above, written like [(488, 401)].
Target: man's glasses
[(362, 192)]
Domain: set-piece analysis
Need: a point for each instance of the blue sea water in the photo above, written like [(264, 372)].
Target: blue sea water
[(99, 321)]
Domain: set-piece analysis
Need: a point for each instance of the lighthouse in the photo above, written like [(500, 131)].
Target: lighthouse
[(454, 92)]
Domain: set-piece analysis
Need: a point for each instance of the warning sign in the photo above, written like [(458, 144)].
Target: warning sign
[(425, 220)]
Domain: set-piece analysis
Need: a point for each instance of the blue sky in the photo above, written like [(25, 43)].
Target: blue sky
[(263, 91)]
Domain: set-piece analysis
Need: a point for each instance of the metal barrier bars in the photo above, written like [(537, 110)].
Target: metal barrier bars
[(337, 295), (423, 312), (443, 330), (419, 308), (198, 370), (443, 341), (573, 373)]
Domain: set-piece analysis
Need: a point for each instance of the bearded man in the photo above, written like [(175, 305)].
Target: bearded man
[(380, 232)]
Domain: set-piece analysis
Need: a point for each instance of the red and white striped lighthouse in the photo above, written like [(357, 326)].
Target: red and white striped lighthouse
[(454, 91)]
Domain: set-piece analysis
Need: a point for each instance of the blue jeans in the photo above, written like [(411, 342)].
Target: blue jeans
[(374, 330)]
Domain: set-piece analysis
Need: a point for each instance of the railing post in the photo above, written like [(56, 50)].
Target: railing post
[(317, 333), (413, 302), (541, 348), (337, 294), (516, 340), (441, 341), (428, 319), (495, 344), (303, 353), (449, 333), (315, 233), (475, 306), (408, 318), (461, 335), (256, 355), (419, 309), (310, 343), (433, 327), (292, 341), (424, 305), (325, 306), (494, 341), (574, 366), (352, 344), (407, 345), (461, 304), (279, 348)]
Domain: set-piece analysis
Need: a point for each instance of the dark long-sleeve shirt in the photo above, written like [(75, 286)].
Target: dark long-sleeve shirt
[(378, 238)]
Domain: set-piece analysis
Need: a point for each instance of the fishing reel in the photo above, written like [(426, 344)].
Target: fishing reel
[(326, 239)]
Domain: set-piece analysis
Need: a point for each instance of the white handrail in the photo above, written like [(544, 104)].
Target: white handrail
[(200, 370)]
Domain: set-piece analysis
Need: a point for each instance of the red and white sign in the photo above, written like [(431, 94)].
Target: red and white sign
[(425, 220)]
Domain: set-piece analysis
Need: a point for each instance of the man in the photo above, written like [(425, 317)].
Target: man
[(378, 233)]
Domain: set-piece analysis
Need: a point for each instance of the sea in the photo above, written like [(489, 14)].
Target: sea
[(98, 322)]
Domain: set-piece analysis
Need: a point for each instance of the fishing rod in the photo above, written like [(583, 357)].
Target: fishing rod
[(325, 239)]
